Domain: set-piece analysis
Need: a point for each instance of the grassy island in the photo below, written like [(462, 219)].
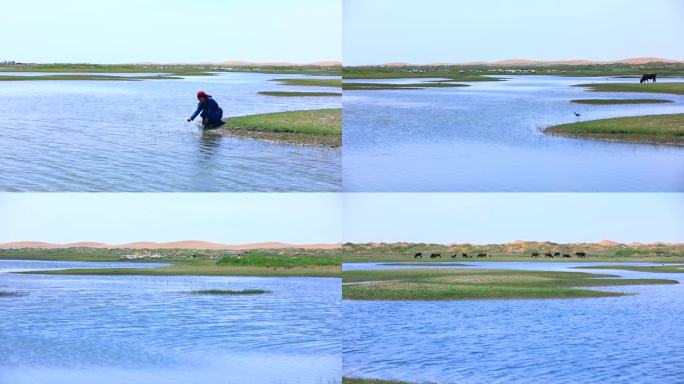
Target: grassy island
[(313, 127), (298, 94), (333, 83), (650, 129), (619, 101), (385, 86), (180, 262), (476, 284), (672, 268), (349, 380), (229, 292), (663, 87)]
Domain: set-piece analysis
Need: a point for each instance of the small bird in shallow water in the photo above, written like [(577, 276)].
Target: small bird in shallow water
[(577, 115)]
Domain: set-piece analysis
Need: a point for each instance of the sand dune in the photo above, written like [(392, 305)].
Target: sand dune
[(518, 62), (188, 244)]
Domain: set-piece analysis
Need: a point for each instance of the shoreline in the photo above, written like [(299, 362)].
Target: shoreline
[(318, 127)]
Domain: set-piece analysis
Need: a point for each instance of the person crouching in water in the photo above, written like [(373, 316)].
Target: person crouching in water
[(209, 110)]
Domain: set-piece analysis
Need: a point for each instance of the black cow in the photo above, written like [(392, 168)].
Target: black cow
[(566, 255), (465, 255), (435, 255), (646, 77), (556, 254), (581, 255), (418, 255), (535, 254)]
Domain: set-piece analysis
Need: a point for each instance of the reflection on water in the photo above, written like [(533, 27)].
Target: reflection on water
[(132, 136), (487, 137), (629, 339), (140, 329)]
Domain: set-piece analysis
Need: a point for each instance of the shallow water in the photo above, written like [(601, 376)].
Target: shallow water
[(487, 137), (132, 136), (629, 339), (125, 329)]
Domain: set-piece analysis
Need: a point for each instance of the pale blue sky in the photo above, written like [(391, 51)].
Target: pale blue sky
[(319, 218), (125, 217), (502, 217), (126, 31), (428, 31)]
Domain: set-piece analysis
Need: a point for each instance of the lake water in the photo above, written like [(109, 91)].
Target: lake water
[(132, 136), (629, 339), (127, 329), (487, 137)]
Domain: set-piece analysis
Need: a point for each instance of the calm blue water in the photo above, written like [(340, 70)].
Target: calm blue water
[(486, 138), (144, 329), (630, 339), (132, 136)]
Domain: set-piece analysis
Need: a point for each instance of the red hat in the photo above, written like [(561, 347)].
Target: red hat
[(201, 94)]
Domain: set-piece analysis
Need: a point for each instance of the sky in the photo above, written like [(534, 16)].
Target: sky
[(502, 217), (305, 218), (429, 31), (115, 218), (127, 31)]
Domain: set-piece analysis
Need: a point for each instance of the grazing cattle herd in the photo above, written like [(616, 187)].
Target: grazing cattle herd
[(482, 255)]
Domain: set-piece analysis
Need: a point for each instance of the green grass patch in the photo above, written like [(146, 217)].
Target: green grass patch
[(384, 86), (299, 94), (668, 88), (470, 284), (265, 259), (86, 77), (404, 252), (651, 129), (336, 83), (619, 101), (187, 269), (640, 268), (255, 263), (229, 292), (453, 73), (350, 380), (311, 127)]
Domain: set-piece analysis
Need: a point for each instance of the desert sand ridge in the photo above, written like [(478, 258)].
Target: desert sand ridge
[(516, 62), (187, 244)]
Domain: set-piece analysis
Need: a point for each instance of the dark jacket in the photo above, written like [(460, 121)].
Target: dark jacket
[(208, 109)]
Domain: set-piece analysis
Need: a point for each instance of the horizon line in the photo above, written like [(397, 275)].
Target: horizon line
[(319, 63), (518, 61), (203, 244)]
